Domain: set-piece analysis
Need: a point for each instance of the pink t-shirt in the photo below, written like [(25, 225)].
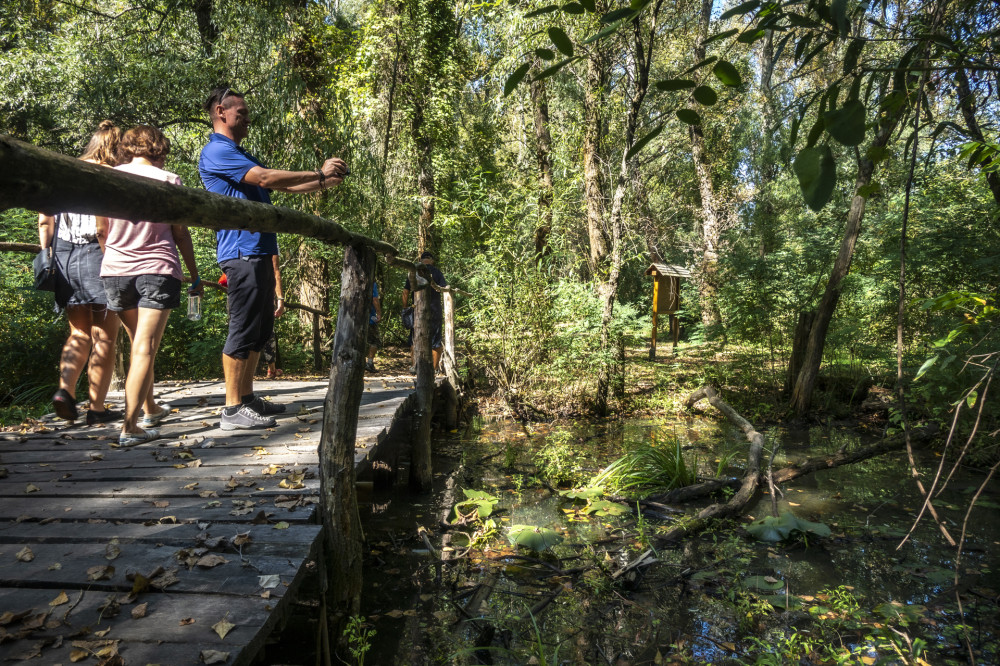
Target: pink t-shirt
[(142, 248)]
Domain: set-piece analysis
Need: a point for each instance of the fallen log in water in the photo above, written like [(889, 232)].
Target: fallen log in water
[(753, 477)]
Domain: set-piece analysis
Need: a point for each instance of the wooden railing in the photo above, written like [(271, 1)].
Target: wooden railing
[(48, 182)]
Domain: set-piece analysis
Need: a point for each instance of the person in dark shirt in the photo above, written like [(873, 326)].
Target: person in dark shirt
[(434, 301), (246, 256)]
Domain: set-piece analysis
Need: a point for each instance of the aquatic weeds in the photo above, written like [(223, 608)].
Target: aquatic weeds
[(649, 466), (359, 638)]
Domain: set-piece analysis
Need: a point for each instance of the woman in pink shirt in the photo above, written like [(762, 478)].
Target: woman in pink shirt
[(142, 277)]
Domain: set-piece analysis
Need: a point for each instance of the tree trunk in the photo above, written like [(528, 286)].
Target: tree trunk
[(593, 190), (421, 471), (967, 103), (710, 232), (425, 178), (806, 382), (314, 291), (341, 522), (543, 151), (799, 343)]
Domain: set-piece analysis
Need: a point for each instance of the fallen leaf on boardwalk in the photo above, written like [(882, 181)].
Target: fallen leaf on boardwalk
[(282, 525), (55, 566), (161, 504), (103, 632), (190, 486), (186, 621), (269, 582), (213, 504), (32, 488), (78, 655), (165, 580), (207, 493), (213, 560), (298, 436), (179, 466), (100, 572), (25, 555), (168, 519), (287, 502), (60, 600), (293, 481), (8, 617), (110, 607), (241, 539), (140, 611), (96, 456), (214, 657), (270, 469), (139, 583), (112, 551), (232, 483), (194, 463), (264, 436), (223, 627), (35, 621), (305, 429)]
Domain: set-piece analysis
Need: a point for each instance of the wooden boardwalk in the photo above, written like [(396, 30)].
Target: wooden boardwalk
[(180, 551)]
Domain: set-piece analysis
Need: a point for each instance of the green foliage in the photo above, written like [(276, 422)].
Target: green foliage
[(649, 466), (359, 638), (786, 526), (533, 538), (482, 502)]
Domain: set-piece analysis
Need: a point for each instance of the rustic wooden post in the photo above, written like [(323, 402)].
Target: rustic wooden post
[(341, 522), (448, 360), (420, 451), (317, 351)]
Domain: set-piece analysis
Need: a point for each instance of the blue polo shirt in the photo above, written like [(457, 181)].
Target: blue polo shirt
[(222, 166)]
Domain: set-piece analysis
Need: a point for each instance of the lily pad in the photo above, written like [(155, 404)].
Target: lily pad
[(785, 526), (534, 538), (786, 602), (763, 583), (586, 493), (604, 508)]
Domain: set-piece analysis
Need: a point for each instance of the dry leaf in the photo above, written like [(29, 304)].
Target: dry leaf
[(241, 539), (214, 657), (103, 632), (186, 621), (78, 655), (140, 611), (112, 550), (32, 488), (161, 504), (269, 581), (25, 555), (55, 566), (60, 600), (212, 560), (100, 572), (223, 627), (282, 525)]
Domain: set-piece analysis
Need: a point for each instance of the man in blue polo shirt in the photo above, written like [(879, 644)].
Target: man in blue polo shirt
[(245, 256)]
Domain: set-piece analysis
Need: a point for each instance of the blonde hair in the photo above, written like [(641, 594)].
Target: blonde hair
[(145, 141), (103, 146)]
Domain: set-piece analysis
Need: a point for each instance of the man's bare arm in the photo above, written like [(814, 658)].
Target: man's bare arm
[(298, 181)]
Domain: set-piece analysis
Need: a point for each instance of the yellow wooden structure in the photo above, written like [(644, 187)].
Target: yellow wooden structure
[(666, 298)]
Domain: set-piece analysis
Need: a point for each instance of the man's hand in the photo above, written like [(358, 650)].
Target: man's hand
[(335, 169), (280, 310)]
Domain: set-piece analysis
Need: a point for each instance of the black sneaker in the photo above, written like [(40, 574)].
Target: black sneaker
[(107, 416), (265, 407), (65, 405), (246, 418)]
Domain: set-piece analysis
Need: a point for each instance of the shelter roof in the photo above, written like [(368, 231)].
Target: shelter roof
[(667, 269)]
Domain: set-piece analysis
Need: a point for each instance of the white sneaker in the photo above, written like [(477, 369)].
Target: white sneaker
[(245, 418)]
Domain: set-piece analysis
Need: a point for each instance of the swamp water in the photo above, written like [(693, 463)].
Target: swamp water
[(720, 596)]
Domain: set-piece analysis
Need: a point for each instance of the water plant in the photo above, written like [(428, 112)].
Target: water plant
[(649, 465), (358, 637), (786, 526), (532, 537)]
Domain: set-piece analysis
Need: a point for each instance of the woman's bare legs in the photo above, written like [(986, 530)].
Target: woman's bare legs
[(145, 326), (77, 348), (104, 334)]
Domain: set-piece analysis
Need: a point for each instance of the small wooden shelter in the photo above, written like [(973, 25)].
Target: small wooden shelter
[(666, 298)]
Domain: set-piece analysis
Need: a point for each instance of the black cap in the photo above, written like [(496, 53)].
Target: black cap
[(428, 255)]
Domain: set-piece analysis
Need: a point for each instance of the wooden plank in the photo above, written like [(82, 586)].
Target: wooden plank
[(86, 494)]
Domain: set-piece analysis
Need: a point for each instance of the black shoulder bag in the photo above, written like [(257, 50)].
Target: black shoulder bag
[(45, 263)]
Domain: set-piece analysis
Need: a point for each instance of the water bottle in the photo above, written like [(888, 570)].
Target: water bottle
[(194, 307)]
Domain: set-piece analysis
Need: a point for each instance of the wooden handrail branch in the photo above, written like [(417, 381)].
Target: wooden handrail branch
[(34, 248), (45, 181)]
